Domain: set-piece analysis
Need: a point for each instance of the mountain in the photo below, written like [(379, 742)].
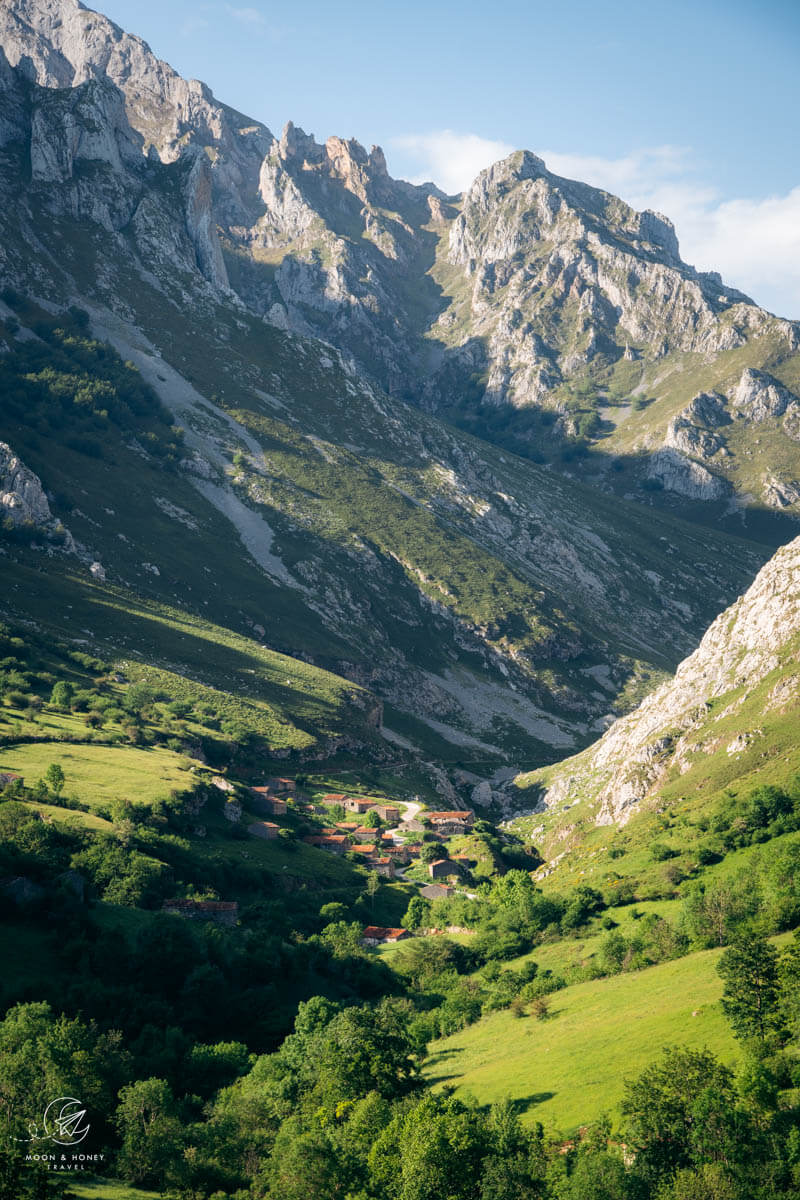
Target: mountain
[(726, 723), (536, 311), (225, 470)]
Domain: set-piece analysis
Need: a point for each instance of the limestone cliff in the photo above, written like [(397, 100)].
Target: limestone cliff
[(756, 636), (536, 310)]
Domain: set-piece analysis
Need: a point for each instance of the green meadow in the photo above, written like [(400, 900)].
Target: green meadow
[(571, 1067)]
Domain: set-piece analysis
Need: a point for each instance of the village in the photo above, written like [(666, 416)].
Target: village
[(383, 837)]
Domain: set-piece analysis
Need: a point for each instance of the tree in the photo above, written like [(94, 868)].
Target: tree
[(598, 1176), (303, 1163), (713, 912), (61, 695), (373, 819), (665, 1110), (431, 851), (334, 910), (434, 1150), (45, 1056), (342, 938), (789, 976), (751, 999), (152, 1136), (417, 913), (373, 883), (55, 779)]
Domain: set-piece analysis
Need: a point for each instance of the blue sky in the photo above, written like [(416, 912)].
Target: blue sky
[(690, 108)]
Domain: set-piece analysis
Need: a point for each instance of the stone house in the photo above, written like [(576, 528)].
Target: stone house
[(436, 891), (334, 843), (451, 822), (389, 813), (263, 829), (358, 804), (283, 787), (365, 833), (221, 912), (364, 848), (265, 801), (440, 868)]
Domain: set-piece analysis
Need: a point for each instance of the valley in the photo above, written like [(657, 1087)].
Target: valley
[(399, 686)]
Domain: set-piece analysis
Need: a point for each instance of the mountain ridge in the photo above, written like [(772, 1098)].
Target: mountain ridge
[(347, 503)]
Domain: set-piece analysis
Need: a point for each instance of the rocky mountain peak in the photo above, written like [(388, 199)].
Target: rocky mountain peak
[(522, 296)]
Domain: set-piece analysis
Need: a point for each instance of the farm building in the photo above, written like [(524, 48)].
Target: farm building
[(222, 912), (358, 804), (440, 868), (453, 821), (335, 843), (263, 829), (265, 801), (388, 812), (283, 787), (377, 935), (436, 891)]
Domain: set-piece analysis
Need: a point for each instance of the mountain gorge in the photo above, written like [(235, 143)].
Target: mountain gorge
[(456, 535), (475, 593)]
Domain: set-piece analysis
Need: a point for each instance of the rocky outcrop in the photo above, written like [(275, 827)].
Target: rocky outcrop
[(23, 503), (695, 431), (742, 646), (677, 473), (758, 396)]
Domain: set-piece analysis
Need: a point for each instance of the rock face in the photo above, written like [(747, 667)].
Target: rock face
[(677, 473), (759, 396), (23, 504), (509, 297), (87, 163), (467, 588), (742, 646)]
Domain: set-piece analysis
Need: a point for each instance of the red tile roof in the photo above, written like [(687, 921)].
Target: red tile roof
[(379, 932)]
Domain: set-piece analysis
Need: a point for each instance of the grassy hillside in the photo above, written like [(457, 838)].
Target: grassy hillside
[(570, 1068)]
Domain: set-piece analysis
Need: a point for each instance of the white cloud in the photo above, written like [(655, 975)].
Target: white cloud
[(451, 160), (753, 243), (194, 25), (247, 16)]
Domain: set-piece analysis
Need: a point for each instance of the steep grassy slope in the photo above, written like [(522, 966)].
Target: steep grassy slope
[(696, 749), (571, 1068)]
